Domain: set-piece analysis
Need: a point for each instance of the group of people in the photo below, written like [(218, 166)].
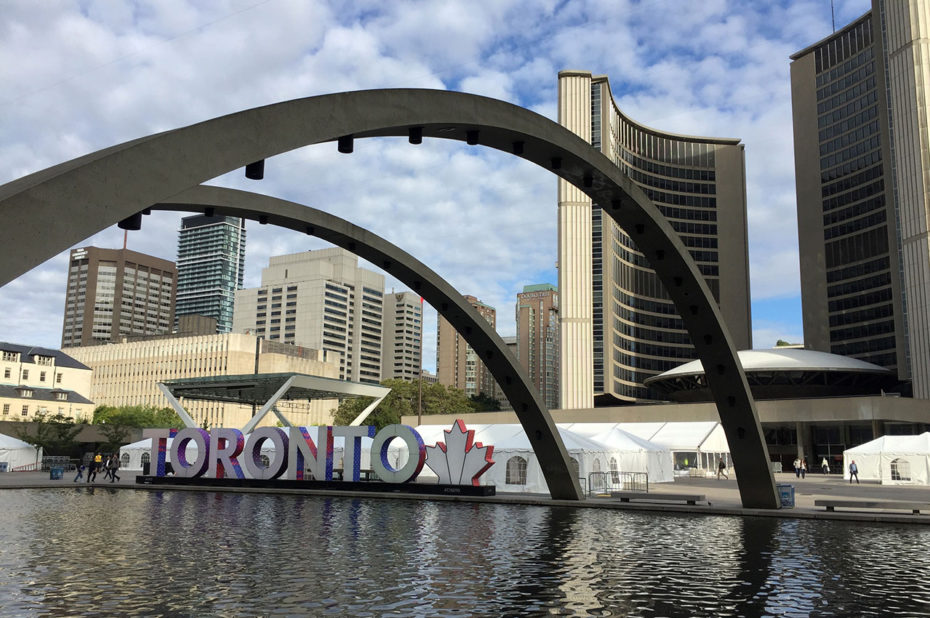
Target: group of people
[(109, 465), (800, 467)]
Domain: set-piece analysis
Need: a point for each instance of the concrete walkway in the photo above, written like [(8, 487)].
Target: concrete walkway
[(722, 496)]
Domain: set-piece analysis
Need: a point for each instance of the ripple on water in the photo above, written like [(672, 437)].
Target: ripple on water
[(182, 553)]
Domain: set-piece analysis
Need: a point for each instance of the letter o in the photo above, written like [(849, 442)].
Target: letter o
[(253, 453), (416, 454), (201, 438)]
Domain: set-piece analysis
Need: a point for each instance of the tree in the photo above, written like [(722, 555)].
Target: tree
[(484, 403), (115, 422), (54, 433), (402, 401)]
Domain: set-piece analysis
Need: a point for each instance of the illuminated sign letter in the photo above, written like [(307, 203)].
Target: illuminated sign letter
[(253, 453), (304, 455), (225, 446), (159, 449), (201, 438), (416, 454), (352, 452)]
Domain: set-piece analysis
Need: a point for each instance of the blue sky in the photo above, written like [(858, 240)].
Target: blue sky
[(90, 74)]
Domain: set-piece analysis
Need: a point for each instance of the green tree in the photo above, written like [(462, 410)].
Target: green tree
[(782, 343), (484, 403), (402, 401), (55, 433), (116, 422)]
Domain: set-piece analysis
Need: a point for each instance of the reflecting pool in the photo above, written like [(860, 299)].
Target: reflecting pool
[(107, 551)]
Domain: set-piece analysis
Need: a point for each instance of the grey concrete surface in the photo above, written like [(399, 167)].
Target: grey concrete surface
[(723, 496)]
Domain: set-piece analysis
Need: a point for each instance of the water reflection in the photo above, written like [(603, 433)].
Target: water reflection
[(96, 550)]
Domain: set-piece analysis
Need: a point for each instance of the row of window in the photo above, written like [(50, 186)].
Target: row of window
[(854, 225)]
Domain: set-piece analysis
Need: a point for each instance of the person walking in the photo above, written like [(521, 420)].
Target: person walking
[(797, 467), (92, 470), (825, 465), (722, 469), (804, 468), (106, 468), (80, 472), (853, 472), (114, 466)]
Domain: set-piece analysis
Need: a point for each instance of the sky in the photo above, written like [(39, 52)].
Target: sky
[(77, 77)]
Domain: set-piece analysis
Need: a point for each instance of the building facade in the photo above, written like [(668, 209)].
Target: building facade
[(211, 266), (860, 105), (618, 325), (43, 381), (112, 294), (127, 374), (322, 300), (457, 364), (537, 341), (402, 341)]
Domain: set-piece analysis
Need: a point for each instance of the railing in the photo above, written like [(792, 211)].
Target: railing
[(606, 482)]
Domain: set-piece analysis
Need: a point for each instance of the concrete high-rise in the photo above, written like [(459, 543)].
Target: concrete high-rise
[(618, 325), (211, 266), (402, 339), (113, 294), (322, 300), (457, 364), (860, 103), (537, 341)]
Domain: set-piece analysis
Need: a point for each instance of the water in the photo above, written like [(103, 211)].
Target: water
[(105, 552)]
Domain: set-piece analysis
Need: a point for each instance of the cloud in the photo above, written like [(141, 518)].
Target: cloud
[(91, 74)]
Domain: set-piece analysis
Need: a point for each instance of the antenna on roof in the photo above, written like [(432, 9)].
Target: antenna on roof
[(833, 16)]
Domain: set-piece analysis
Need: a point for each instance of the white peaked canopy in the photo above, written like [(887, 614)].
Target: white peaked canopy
[(637, 454), (516, 468), (894, 460), (16, 453)]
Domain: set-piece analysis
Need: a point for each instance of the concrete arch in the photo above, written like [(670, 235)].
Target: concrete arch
[(66, 203), (526, 402)]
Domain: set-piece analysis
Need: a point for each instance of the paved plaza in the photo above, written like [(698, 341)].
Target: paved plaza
[(722, 496)]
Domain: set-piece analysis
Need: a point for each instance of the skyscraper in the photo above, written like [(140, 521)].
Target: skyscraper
[(402, 341), (322, 300), (457, 364), (113, 294), (211, 264), (862, 151), (618, 324), (537, 340)]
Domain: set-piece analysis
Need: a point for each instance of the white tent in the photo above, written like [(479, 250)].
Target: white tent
[(694, 444), (894, 460), (16, 453), (516, 468), (637, 454)]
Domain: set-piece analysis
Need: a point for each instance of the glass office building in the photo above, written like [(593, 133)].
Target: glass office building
[(211, 264), (614, 309), (861, 159)]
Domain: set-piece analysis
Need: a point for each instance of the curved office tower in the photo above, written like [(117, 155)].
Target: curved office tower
[(862, 150), (618, 325)]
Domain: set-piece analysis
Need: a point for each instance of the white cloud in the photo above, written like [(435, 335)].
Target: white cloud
[(91, 74)]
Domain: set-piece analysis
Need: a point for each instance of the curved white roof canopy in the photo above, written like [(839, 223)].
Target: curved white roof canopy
[(783, 359)]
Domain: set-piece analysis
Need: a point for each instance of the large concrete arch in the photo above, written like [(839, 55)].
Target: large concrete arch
[(66, 203), (523, 396)]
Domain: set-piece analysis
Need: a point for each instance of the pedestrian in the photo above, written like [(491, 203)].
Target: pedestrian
[(804, 468), (825, 465), (92, 471), (80, 472), (722, 469), (114, 466), (797, 467), (853, 472), (107, 470)]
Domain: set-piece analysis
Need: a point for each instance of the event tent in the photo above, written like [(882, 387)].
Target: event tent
[(894, 460), (637, 454), (516, 467), (15, 453), (694, 444)]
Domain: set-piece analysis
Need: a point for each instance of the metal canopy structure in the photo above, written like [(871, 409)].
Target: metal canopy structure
[(267, 389)]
